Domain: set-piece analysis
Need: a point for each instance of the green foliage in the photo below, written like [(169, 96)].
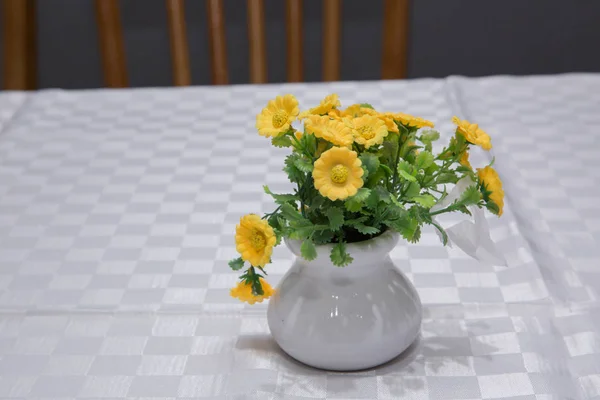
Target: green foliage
[(366, 105), (281, 141), (470, 196), (425, 200), (303, 164), (293, 172), (339, 257), (370, 161), (308, 250), (236, 264), (290, 213), (335, 216), (366, 230), (280, 198), (356, 202), (429, 135), (424, 160)]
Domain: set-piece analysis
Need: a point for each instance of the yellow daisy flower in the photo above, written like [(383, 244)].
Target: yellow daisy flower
[(327, 104), (333, 131), (368, 130), (389, 122), (277, 116), (410, 120), (355, 110), (464, 160), (491, 181), (243, 291), (337, 173), (254, 240), (472, 133)]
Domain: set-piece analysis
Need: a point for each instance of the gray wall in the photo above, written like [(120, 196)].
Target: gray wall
[(467, 37)]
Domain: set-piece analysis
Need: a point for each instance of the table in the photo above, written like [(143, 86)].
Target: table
[(117, 213)]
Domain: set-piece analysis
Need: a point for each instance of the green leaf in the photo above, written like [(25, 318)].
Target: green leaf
[(355, 203), (405, 170), (470, 196), (366, 230), (308, 250), (280, 198), (294, 174), (236, 264), (390, 148), (309, 142), (463, 169), (424, 160), (373, 200), (407, 176), (257, 289), (413, 189), (322, 237), (291, 213), (366, 105), (370, 162), (303, 165), (446, 177), (302, 229), (426, 200), (336, 218), (492, 207), (387, 170), (406, 225), (281, 141), (339, 257), (429, 135), (442, 232)]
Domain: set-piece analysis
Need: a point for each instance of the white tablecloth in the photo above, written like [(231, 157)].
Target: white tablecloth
[(117, 213)]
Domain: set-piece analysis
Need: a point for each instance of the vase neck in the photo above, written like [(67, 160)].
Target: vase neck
[(366, 255)]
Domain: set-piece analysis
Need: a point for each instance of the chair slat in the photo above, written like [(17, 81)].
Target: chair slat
[(295, 40), (19, 47), (331, 39), (112, 49), (179, 45), (256, 41), (395, 39), (217, 42)]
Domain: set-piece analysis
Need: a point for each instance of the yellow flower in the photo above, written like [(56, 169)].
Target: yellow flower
[(243, 291), (298, 135), (472, 133), (491, 181), (355, 110), (367, 130), (410, 120), (337, 173), (277, 116), (333, 131), (254, 240), (389, 122), (327, 104), (464, 160)]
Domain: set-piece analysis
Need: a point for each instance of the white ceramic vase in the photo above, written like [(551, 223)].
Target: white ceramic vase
[(345, 318)]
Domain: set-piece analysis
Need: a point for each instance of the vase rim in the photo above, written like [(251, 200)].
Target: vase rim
[(383, 243)]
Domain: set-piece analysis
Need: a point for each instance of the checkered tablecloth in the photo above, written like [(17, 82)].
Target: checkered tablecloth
[(117, 213)]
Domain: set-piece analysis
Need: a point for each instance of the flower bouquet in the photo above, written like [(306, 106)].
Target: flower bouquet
[(358, 173)]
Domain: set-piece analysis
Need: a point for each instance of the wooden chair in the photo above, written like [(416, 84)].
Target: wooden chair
[(19, 46)]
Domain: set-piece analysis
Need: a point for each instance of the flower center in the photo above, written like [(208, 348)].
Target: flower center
[(258, 240), (339, 174), (280, 118), (366, 132)]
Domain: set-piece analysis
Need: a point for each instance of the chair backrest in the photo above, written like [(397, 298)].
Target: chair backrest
[(19, 41)]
